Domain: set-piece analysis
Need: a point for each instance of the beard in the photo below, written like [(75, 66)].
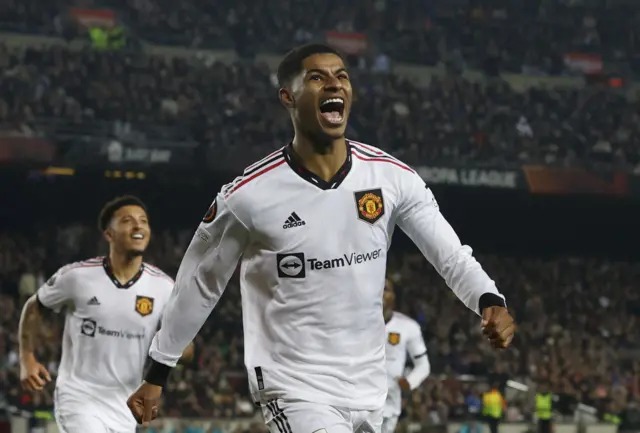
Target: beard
[(134, 253)]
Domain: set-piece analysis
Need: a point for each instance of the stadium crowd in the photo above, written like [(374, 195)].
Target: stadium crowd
[(530, 37), (579, 324), (225, 106)]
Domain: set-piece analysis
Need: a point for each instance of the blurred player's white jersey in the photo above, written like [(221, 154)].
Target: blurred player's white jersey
[(312, 274), (107, 332), (404, 337)]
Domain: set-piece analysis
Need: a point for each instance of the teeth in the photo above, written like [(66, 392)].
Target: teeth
[(138, 236), (332, 101)]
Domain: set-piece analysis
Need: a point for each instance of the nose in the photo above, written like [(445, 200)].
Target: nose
[(333, 84)]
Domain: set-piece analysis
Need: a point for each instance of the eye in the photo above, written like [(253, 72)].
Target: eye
[(343, 76), (315, 78)]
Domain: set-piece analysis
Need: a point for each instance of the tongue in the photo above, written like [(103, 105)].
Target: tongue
[(332, 116)]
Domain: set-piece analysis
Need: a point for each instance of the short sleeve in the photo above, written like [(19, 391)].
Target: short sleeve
[(57, 292)]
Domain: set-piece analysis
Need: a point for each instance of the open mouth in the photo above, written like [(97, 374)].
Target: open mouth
[(333, 110), (137, 236)]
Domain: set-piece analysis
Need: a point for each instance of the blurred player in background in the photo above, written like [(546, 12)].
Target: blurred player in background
[(404, 336), (113, 307), (312, 223)]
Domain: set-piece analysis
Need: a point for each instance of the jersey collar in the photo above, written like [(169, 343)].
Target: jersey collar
[(301, 171), (107, 268)]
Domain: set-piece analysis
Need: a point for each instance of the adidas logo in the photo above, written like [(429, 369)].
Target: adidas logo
[(93, 301), (293, 221)]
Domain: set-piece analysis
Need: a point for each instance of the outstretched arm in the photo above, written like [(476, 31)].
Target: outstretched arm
[(420, 218), (204, 273)]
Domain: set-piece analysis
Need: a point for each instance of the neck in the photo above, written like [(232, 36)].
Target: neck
[(124, 267), (387, 314), (323, 161)]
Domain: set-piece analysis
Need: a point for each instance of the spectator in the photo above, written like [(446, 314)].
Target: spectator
[(220, 105)]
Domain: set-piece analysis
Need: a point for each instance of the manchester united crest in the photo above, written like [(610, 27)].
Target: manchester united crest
[(370, 205), (393, 338), (144, 305)]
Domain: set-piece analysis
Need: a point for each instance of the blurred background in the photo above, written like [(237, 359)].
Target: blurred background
[(522, 115)]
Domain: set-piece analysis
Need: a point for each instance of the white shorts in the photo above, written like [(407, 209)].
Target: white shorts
[(389, 424), (297, 416), (78, 414), (82, 423)]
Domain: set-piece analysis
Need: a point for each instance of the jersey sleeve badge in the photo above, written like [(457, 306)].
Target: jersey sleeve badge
[(370, 205), (211, 212), (393, 338), (144, 305)]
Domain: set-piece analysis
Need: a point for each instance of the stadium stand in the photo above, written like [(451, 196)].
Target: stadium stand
[(531, 38), (63, 92)]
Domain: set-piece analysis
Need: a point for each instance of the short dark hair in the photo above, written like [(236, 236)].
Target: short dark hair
[(111, 207), (291, 64)]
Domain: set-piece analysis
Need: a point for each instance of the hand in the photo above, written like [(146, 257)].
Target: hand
[(404, 385), (144, 403), (498, 326), (33, 375)]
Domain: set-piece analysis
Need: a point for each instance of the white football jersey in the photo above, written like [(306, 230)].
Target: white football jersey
[(313, 259), (107, 333), (404, 337)]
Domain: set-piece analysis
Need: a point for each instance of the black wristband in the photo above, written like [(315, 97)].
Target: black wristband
[(490, 300), (157, 374)]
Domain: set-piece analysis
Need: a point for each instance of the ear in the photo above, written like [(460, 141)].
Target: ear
[(107, 235), (286, 98)]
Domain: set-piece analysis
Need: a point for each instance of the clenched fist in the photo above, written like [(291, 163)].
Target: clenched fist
[(33, 375), (144, 403), (498, 326)]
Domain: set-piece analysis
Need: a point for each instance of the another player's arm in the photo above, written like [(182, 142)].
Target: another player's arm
[(417, 350), (418, 215), (206, 268), (187, 354), (55, 293), (29, 326)]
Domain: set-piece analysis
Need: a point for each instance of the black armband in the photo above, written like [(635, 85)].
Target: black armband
[(157, 374), (490, 300)]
